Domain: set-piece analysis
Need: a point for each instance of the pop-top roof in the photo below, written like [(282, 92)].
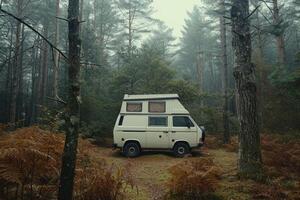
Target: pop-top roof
[(128, 97)]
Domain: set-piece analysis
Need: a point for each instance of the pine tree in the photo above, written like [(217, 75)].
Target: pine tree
[(250, 161)]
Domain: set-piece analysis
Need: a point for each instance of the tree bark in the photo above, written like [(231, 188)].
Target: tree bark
[(250, 161), (73, 105), (260, 63), (15, 68), (211, 70), (9, 76), (44, 64), (20, 98), (56, 53), (34, 86), (226, 134), (81, 16), (280, 37)]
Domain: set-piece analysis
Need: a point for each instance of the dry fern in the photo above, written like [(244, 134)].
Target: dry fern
[(30, 160), (197, 179)]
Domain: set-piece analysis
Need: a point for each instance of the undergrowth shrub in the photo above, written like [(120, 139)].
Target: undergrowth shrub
[(30, 161), (216, 142), (267, 192), (3, 128), (281, 158), (194, 180)]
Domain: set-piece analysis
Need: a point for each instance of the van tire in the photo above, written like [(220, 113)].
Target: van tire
[(131, 149), (181, 149)]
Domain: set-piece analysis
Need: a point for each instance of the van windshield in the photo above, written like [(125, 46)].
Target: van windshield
[(182, 121)]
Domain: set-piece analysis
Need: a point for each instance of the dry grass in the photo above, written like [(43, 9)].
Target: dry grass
[(30, 164), (196, 179), (30, 161), (282, 158), (216, 142)]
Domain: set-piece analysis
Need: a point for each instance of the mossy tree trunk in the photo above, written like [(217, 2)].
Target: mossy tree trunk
[(73, 105), (250, 162)]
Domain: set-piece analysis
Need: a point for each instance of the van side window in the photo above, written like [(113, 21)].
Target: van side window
[(121, 120), (133, 107), (182, 121), (157, 107), (158, 121)]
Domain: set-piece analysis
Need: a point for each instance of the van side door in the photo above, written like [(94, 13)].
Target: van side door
[(183, 129), (158, 132)]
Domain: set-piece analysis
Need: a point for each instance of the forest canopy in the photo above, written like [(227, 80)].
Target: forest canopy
[(125, 50), (67, 65)]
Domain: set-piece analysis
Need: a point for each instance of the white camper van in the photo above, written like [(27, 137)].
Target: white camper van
[(149, 122)]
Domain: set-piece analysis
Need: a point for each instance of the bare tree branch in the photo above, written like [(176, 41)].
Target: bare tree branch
[(266, 18), (34, 30), (266, 3), (57, 99), (61, 18), (252, 12)]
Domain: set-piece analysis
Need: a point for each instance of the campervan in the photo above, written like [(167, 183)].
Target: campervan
[(155, 122)]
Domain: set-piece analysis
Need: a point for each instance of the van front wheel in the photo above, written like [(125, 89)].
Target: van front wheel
[(181, 149), (131, 149)]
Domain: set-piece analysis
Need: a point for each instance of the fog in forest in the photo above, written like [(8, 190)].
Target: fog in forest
[(70, 71)]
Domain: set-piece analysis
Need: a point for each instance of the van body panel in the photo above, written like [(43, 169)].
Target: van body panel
[(155, 128)]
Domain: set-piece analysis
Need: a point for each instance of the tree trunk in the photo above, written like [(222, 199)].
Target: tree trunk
[(212, 75), (200, 71), (44, 65), (199, 65), (73, 106), (34, 86), (250, 162), (260, 63), (81, 15), (226, 134), (9, 76), (280, 37), (39, 81), (20, 98), (130, 37), (15, 68), (56, 54)]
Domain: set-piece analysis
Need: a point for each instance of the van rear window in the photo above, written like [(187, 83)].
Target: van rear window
[(134, 107), (158, 121), (157, 107)]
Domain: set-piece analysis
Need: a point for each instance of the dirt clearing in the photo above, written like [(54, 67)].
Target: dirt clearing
[(151, 169)]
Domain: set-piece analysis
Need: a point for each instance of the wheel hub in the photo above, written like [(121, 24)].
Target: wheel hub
[(181, 150), (131, 149)]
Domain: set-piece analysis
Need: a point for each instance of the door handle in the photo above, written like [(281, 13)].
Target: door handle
[(173, 131), (166, 132)]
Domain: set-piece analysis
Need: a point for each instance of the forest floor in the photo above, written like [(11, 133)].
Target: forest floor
[(152, 173)]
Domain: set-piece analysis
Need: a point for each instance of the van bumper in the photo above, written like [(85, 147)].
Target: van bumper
[(114, 146)]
